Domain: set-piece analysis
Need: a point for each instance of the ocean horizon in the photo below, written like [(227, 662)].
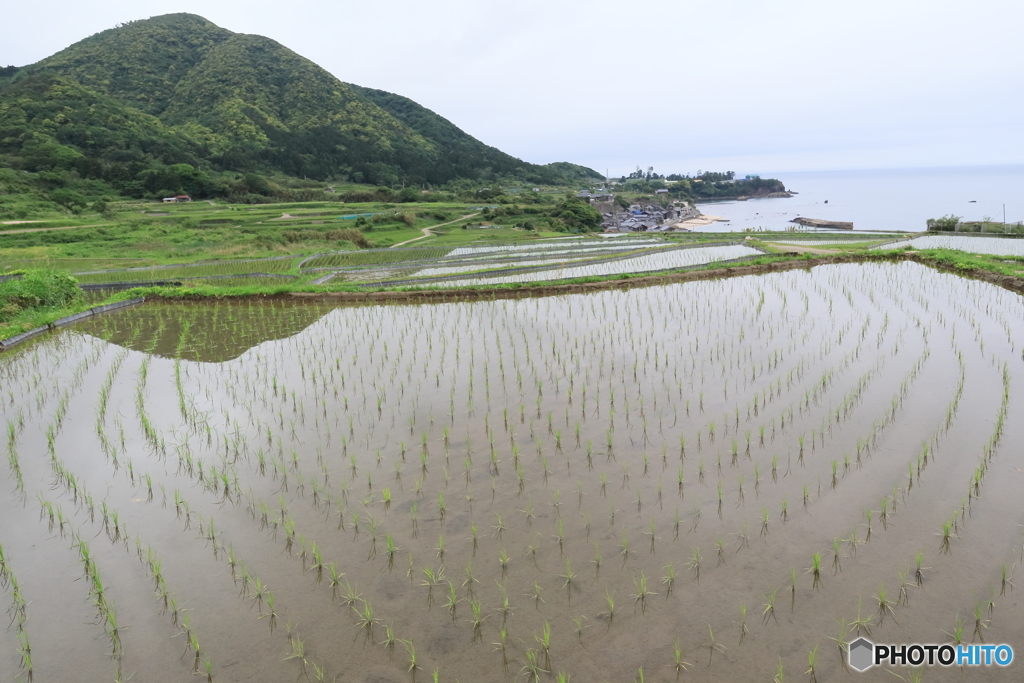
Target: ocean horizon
[(880, 199)]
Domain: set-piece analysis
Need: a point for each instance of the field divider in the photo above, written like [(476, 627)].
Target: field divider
[(65, 321)]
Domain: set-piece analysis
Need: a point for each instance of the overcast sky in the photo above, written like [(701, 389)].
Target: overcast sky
[(680, 85)]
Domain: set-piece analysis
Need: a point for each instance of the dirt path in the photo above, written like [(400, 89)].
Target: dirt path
[(427, 233), (69, 227)]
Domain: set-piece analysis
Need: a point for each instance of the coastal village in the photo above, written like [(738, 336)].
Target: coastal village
[(641, 217)]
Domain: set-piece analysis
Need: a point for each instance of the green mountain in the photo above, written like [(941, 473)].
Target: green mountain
[(176, 103)]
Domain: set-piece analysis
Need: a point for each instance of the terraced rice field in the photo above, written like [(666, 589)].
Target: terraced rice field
[(820, 243), (721, 480), (994, 246), (189, 271), (646, 262)]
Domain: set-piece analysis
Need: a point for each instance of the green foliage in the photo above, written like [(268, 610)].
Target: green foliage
[(37, 289), (947, 223), (578, 215), (175, 104)]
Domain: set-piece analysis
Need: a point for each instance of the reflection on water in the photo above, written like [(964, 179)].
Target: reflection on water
[(211, 332)]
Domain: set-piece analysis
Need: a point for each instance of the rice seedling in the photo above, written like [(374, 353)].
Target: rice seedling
[(815, 569), (440, 548), (25, 652), (842, 641), (271, 614), (669, 580), (918, 569), (410, 649), (1006, 580), (979, 623), (502, 646), (433, 578), (904, 595), (568, 577), (678, 664), (713, 645), (885, 606), (861, 623), (365, 619), (743, 622), (958, 631), (258, 592), (609, 599), (694, 564), (578, 621), (812, 660), (768, 613), (946, 535), (640, 596), (470, 580), (544, 641), (532, 668), (478, 618), (836, 565)]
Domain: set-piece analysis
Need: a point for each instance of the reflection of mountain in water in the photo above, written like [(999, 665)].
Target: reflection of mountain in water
[(209, 332)]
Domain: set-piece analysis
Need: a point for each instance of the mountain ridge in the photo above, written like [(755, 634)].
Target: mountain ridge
[(231, 103)]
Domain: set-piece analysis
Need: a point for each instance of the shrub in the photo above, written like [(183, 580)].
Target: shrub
[(38, 289)]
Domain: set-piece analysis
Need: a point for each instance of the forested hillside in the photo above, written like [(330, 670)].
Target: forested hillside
[(176, 104)]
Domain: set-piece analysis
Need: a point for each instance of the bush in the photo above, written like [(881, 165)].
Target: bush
[(946, 223), (352, 235), (38, 289)]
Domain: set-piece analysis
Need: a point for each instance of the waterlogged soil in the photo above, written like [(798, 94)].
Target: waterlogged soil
[(216, 465)]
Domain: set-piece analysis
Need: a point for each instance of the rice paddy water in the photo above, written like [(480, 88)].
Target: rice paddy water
[(596, 485)]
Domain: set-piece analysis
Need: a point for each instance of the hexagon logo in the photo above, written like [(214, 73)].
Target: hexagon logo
[(861, 654)]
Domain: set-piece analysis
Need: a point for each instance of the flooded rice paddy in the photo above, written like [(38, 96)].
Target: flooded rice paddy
[(666, 259), (705, 480), (994, 246)]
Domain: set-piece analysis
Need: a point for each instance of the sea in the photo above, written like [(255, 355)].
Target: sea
[(880, 200)]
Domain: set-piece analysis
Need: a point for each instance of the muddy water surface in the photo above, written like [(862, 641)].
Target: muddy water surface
[(555, 453)]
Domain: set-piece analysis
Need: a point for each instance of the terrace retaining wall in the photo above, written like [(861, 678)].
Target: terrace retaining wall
[(24, 336), (68, 320)]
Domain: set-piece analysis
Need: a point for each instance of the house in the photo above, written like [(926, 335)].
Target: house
[(662, 191), (177, 198)]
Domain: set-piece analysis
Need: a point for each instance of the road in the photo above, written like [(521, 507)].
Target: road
[(427, 233)]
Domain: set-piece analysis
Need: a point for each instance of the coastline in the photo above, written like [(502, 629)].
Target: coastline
[(699, 222)]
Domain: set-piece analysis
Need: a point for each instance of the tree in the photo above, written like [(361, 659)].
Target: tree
[(69, 199), (574, 213)]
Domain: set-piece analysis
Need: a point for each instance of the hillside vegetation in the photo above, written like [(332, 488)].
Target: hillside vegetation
[(177, 104)]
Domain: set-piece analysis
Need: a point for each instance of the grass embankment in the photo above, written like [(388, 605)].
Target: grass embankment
[(37, 299)]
